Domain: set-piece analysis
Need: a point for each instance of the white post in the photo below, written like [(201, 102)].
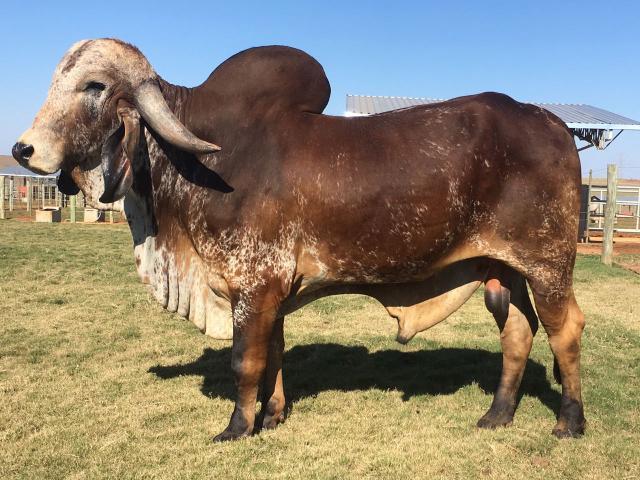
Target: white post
[(29, 193), (11, 194), (74, 199), (588, 219)]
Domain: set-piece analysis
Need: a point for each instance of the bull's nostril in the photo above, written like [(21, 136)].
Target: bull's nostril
[(27, 151), (22, 152)]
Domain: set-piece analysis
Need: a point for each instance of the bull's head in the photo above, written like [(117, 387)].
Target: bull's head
[(102, 93)]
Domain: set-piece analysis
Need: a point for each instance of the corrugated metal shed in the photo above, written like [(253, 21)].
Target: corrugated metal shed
[(592, 124), (574, 115)]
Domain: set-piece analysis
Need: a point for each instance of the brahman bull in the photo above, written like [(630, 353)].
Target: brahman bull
[(415, 207)]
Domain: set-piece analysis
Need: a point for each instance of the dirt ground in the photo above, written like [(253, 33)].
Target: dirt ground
[(621, 246), (625, 250)]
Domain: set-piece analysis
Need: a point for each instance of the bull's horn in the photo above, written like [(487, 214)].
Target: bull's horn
[(156, 112)]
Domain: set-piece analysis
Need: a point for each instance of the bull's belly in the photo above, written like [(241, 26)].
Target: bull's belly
[(416, 305), (399, 265)]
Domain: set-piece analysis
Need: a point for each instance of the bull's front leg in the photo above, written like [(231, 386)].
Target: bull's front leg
[(272, 412), (254, 319)]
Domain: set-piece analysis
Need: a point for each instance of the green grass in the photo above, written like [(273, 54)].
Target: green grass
[(97, 381)]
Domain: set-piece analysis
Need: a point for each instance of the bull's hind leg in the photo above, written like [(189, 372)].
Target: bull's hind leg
[(564, 321), (507, 299)]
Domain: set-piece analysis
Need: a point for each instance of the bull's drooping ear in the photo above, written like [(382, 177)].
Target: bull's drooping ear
[(66, 184), (118, 154)]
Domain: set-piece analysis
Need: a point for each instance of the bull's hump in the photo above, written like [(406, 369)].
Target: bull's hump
[(278, 77)]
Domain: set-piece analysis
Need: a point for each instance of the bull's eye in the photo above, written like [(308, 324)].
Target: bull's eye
[(94, 87)]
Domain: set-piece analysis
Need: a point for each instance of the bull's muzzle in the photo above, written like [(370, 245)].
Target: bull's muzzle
[(22, 153), (37, 152)]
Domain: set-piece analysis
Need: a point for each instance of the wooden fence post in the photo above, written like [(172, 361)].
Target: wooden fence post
[(609, 214), (11, 194), (73, 208), (29, 194), (2, 215), (42, 188)]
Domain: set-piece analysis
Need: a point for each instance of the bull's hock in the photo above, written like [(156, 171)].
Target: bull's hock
[(49, 215)]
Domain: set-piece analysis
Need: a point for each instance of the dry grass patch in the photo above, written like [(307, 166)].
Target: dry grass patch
[(96, 381)]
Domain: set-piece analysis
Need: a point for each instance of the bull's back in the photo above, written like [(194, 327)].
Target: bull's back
[(397, 192)]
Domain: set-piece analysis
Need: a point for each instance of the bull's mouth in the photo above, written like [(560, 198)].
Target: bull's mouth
[(25, 161), (36, 169), (117, 184)]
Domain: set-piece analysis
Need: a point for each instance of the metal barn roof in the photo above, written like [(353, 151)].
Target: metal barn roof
[(591, 124)]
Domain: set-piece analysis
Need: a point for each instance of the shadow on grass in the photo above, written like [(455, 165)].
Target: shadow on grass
[(311, 369)]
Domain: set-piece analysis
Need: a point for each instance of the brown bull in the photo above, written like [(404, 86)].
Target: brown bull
[(416, 207)]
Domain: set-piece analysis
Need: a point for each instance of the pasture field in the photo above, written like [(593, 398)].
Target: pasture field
[(97, 381)]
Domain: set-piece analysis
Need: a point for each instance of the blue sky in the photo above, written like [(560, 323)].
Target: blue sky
[(551, 51)]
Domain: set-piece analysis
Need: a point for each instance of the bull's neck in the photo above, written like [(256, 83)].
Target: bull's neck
[(178, 98), (149, 206)]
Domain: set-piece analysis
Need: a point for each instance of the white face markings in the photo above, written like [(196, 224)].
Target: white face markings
[(80, 85)]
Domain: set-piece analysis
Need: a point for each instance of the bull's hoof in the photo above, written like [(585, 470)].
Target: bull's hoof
[(492, 420), (269, 418), (572, 429), (228, 435), (272, 421), (571, 421)]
